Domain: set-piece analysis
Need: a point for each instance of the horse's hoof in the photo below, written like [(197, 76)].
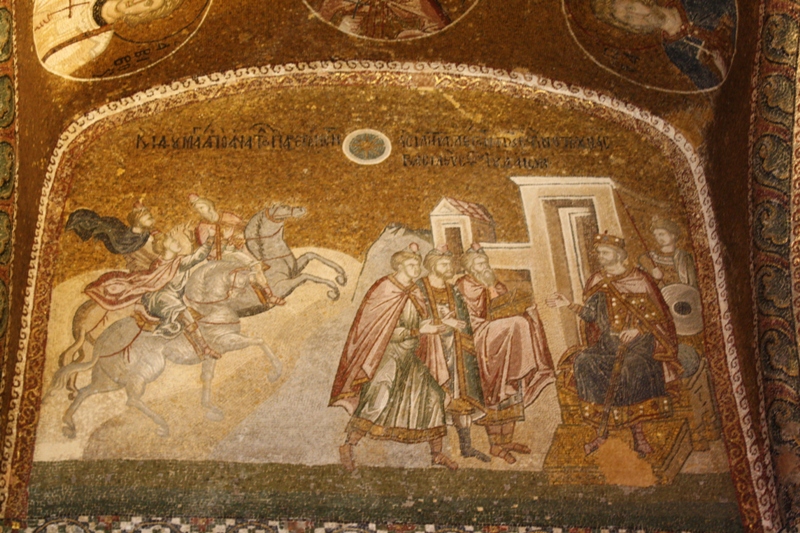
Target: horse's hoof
[(333, 295), (162, 431), (341, 279), (215, 414), (68, 431), (274, 376)]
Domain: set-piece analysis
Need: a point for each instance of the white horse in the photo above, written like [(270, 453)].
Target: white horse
[(126, 355), (264, 237), (284, 273)]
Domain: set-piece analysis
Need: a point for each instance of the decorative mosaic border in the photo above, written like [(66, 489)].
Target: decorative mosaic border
[(138, 524), (750, 467), (775, 231), (9, 137)]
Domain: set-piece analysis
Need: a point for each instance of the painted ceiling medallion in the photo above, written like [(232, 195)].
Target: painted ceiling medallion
[(111, 38), (684, 46), (382, 20)]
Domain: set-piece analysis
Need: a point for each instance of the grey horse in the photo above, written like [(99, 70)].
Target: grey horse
[(127, 356), (264, 238)]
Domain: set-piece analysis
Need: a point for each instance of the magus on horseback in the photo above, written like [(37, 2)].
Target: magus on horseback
[(159, 290), (229, 244)]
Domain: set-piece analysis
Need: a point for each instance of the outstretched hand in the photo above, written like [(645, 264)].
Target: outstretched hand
[(427, 327), (628, 335), (557, 300), (452, 322), (657, 273)]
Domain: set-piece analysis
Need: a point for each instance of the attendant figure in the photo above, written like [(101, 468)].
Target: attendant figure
[(447, 306), (514, 359), (390, 391), (229, 227), (632, 347), (669, 264)]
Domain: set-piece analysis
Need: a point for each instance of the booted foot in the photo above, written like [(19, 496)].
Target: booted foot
[(213, 354), (465, 445), (472, 452), (642, 447), (593, 446), (517, 447), (275, 300), (498, 451), (443, 460), (640, 444), (346, 457)]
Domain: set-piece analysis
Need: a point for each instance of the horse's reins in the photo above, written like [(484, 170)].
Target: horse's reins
[(261, 237)]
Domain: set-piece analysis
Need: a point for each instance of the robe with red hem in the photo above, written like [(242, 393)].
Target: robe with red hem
[(117, 290), (382, 380), (513, 356)]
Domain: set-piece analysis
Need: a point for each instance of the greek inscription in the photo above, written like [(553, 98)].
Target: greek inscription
[(525, 150), (530, 140), (259, 136)]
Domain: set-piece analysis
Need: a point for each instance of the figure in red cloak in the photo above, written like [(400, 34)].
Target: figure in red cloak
[(514, 359), (390, 388)]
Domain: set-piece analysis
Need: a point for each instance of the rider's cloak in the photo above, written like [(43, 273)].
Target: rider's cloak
[(117, 290), (112, 232)]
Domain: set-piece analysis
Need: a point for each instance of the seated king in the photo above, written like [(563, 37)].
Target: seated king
[(622, 375)]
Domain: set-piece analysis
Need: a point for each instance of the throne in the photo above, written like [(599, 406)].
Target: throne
[(674, 425)]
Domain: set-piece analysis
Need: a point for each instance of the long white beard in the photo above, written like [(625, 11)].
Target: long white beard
[(487, 278)]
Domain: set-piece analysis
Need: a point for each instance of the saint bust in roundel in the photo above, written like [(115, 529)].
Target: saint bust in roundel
[(390, 20), (70, 34), (636, 37)]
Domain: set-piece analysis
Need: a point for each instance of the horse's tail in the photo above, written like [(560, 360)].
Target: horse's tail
[(68, 355), (82, 330), (64, 373)]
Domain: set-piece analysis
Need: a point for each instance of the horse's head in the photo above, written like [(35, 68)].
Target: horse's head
[(279, 211), (264, 233)]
